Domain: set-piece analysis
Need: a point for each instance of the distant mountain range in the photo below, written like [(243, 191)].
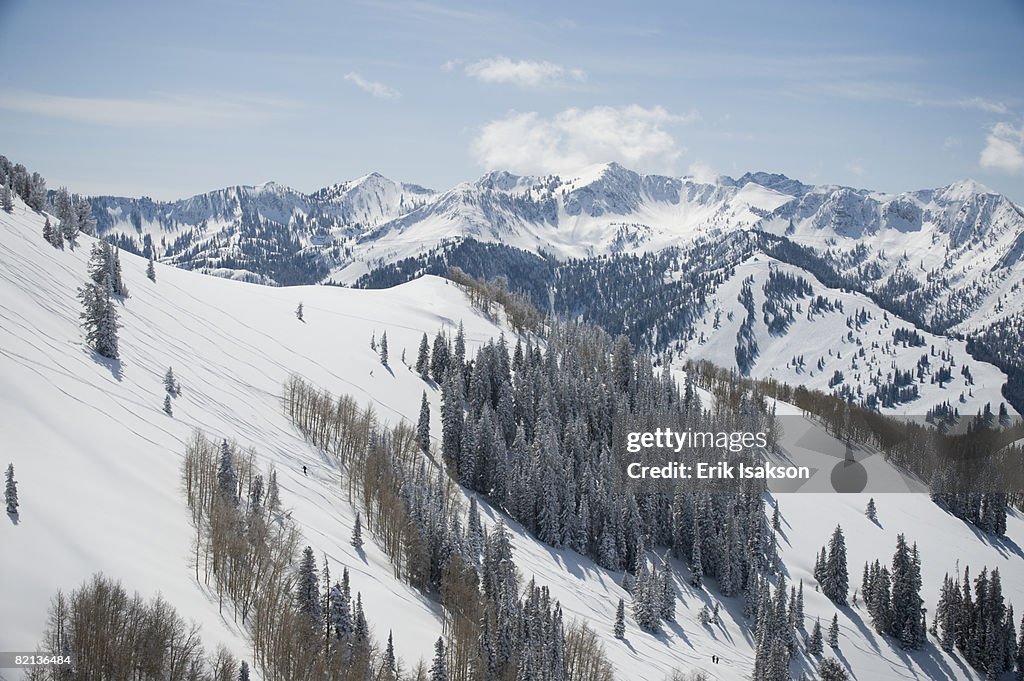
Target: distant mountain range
[(643, 254)]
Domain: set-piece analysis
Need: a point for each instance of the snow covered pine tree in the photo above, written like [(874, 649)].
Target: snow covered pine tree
[(11, 491)]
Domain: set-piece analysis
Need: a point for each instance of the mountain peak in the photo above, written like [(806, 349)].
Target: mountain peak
[(963, 190), (777, 181)]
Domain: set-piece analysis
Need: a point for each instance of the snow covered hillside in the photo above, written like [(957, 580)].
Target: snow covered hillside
[(98, 461), (804, 333)]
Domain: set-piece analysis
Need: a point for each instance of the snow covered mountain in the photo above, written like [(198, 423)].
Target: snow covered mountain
[(770, 319), (98, 463), (962, 245), (604, 210), (265, 234), (948, 261), (373, 199)]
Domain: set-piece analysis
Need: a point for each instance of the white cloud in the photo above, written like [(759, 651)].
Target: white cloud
[(702, 172), (523, 73), (984, 104), (1004, 148), (856, 167), (636, 136), (160, 110), (379, 90)]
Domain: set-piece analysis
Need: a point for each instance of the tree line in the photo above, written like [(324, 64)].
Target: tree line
[(493, 628)]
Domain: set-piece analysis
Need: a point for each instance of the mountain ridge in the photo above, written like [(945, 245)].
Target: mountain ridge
[(947, 260)]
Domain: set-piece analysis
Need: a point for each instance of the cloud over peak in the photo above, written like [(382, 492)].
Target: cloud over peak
[(530, 143), (1004, 149)]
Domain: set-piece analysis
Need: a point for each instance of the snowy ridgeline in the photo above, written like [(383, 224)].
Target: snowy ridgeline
[(950, 260), (82, 426)]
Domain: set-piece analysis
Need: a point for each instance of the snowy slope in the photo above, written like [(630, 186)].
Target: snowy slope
[(963, 244), (98, 461), (856, 339)]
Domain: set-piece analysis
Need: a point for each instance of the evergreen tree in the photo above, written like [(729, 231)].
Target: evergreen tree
[(357, 533), (645, 600), (307, 587), (58, 236), (423, 358), (816, 644), (389, 665), (256, 494), (1020, 652), (116, 277), (99, 318), (48, 231), (11, 490), (798, 610), (7, 198), (696, 563), (668, 592), (475, 535), (833, 631), (423, 424), (439, 359), (227, 480), (170, 383), (620, 621), (360, 627), (105, 268), (36, 193), (819, 566), (151, 270), (384, 348), (340, 615), (243, 671), (452, 423), (439, 669), (870, 511), (947, 612), (879, 598), (68, 216), (168, 409), (907, 611), (325, 605), (836, 582), (832, 670), (460, 345), (298, 312), (83, 217)]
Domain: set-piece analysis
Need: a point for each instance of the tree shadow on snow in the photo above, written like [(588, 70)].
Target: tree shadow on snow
[(14, 517), (113, 365), (928, 660), (679, 632), (1004, 545)]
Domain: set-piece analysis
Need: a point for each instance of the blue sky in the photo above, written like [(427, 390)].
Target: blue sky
[(171, 99)]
